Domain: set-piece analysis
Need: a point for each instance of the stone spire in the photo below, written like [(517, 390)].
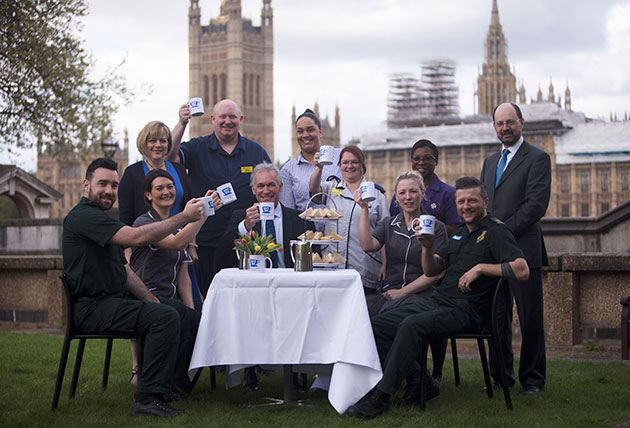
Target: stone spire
[(231, 9), (567, 98), (496, 84)]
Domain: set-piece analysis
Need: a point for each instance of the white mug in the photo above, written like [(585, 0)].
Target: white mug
[(208, 206), (425, 224), (266, 210), (258, 263), (368, 191), (326, 155), (226, 193), (196, 106)]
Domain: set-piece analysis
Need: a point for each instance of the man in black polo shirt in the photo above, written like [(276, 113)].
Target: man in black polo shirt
[(480, 250), (212, 160), (98, 276)]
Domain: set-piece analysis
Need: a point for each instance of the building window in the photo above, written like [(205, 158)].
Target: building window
[(625, 182), (584, 209), (584, 181), (564, 182), (206, 90), (244, 88), (223, 86), (564, 210), (605, 180), (257, 91), (251, 89), (605, 207), (215, 89)]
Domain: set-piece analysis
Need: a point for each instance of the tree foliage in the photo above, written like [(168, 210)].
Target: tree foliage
[(47, 97)]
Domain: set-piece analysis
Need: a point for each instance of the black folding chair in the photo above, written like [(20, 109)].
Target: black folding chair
[(73, 333), (491, 336)]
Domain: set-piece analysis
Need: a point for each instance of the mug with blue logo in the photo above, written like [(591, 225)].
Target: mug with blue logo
[(258, 263), (368, 191), (266, 210), (425, 224), (208, 206), (326, 155), (226, 193), (196, 106)]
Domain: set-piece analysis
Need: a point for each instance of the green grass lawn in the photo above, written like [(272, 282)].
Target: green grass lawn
[(578, 394)]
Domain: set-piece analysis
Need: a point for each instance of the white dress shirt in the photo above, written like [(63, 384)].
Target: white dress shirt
[(277, 222)]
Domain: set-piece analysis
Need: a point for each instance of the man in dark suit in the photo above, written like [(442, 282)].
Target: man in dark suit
[(266, 185), (518, 180)]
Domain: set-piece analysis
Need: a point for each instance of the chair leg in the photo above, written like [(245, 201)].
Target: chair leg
[(625, 333), (108, 358), (61, 372), (423, 374), (455, 361), (484, 366), (77, 367), (502, 374)]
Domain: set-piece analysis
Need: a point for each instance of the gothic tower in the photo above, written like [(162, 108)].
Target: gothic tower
[(231, 58), (496, 84)]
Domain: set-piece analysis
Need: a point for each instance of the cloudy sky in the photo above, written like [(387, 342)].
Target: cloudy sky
[(341, 53)]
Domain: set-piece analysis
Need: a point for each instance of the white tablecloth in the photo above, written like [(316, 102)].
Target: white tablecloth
[(287, 317)]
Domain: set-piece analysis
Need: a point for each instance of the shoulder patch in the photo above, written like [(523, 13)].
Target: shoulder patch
[(496, 220)]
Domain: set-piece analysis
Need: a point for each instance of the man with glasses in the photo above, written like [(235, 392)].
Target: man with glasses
[(518, 180), (439, 197)]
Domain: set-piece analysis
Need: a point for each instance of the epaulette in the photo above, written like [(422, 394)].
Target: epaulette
[(379, 187), (496, 220)]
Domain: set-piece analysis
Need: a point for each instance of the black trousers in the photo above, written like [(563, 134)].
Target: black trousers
[(529, 305), (205, 268), (159, 325), (399, 334), (188, 326)]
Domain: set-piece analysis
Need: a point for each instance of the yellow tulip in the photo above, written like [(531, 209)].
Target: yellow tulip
[(271, 245), (257, 248)]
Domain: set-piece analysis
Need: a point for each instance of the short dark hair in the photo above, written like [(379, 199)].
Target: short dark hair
[(517, 109), (426, 143), (309, 113), (471, 183), (357, 152), (148, 182), (107, 163)]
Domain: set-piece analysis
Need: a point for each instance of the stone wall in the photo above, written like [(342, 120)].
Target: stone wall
[(31, 291), (581, 294)]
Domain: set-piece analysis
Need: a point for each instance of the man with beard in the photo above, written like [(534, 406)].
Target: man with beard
[(99, 276), (212, 160), (518, 180)]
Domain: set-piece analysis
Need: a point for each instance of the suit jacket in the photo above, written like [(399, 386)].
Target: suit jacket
[(521, 197), (292, 227)]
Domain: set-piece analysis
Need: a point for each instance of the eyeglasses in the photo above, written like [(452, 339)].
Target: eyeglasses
[(509, 123), (426, 159)]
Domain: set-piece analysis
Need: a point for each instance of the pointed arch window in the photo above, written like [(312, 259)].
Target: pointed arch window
[(223, 86)]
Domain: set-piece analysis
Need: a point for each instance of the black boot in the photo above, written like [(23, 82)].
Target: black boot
[(370, 406), (412, 393)]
